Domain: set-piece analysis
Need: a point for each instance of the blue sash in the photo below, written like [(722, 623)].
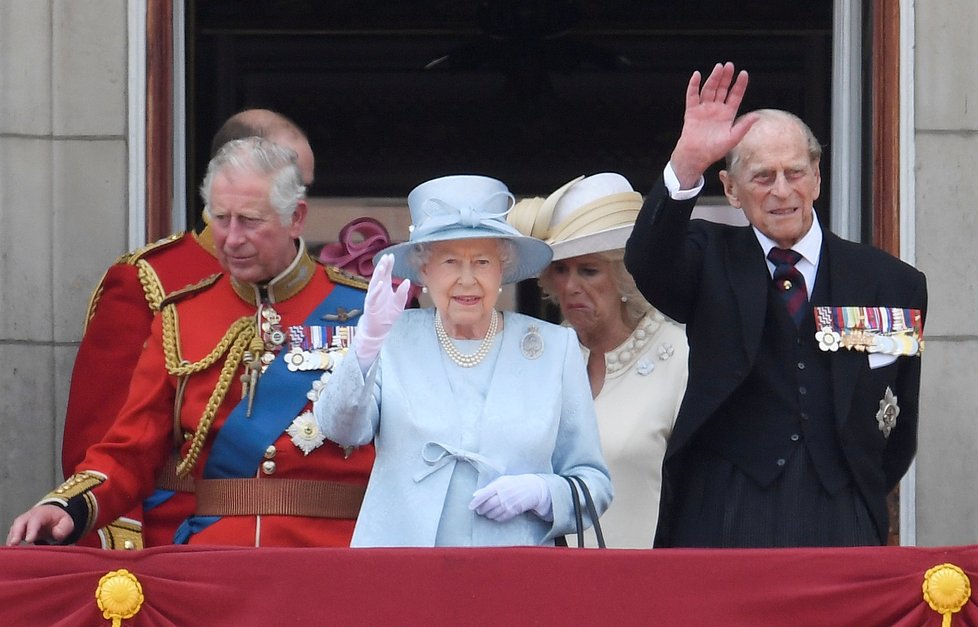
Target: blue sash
[(157, 498), (240, 445)]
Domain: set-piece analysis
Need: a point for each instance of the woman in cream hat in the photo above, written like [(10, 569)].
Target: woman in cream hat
[(636, 357), (475, 414)]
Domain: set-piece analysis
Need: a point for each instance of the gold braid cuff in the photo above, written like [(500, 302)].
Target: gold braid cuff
[(235, 341), (79, 485), (122, 533)]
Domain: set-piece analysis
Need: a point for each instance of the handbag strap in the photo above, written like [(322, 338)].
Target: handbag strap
[(591, 511), (577, 512)]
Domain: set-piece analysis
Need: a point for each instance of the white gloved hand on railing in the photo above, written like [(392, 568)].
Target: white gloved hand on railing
[(381, 308), (510, 495)]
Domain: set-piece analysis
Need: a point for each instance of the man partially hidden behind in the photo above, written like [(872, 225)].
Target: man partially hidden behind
[(116, 328), (783, 439), (239, 358)]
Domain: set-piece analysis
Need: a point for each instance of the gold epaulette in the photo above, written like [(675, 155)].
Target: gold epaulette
[(349, 279), (187, 290), (152, 287), (122, 533), (135, 255), (81, 485)]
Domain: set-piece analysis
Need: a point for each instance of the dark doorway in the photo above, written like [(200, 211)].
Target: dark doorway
[(533, 92)]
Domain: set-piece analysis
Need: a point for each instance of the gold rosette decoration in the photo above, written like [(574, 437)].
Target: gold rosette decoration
[(119, 596), (946, 590)]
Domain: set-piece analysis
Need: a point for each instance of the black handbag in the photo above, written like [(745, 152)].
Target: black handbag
[(576, 482)]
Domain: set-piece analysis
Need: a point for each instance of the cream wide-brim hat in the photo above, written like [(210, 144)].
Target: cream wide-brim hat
[(590, 214), (465, 206)]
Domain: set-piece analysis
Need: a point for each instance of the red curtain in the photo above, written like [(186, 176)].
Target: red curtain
[(520, 586)]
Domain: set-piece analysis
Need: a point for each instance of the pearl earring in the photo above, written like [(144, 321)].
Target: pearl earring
[(500, 289), (424, 289), (624, 299)]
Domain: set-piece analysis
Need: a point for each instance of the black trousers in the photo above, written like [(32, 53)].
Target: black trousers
[(717, 505)]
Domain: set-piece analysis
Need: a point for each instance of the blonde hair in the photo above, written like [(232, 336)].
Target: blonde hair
[(635, 306)]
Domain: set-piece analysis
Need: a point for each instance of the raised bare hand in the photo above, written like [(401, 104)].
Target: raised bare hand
[(47, 523), (709, 127)]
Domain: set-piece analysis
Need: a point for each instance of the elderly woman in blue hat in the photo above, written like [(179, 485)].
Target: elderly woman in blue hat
[(475, 414)]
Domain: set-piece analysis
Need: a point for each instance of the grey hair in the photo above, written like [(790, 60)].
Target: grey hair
[(260, 156), (770, 115), (635, 306), (420, 253)]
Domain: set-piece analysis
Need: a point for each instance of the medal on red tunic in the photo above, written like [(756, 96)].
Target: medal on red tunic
[(317, 347)]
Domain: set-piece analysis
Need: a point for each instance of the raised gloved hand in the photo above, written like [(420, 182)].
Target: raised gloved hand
[(381, 308), (510, 495)]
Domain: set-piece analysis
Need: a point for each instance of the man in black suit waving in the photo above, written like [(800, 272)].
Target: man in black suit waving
[(800, 413)]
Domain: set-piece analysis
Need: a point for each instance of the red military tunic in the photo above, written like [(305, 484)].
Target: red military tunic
[(137, 446), (116, 328)]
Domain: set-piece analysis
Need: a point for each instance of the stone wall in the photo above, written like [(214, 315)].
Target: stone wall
[(63, 214), (946, 102)]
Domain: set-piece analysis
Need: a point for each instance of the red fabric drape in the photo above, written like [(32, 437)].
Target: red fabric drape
[(521, 586)]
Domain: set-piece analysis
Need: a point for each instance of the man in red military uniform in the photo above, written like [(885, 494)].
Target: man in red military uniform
[(117, 325), (237, 357)]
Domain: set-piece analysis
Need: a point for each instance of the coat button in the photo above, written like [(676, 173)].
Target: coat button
[(795, 437), (781, 462), (268, 467), (270, 452)]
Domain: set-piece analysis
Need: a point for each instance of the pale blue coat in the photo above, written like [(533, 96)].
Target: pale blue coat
[(538, 418)]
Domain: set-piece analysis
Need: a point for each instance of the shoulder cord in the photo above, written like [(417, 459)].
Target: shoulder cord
[(235, 341), (152, 286), (153, 291)]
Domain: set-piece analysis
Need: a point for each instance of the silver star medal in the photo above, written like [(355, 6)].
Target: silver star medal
[(305, 433), (532, 343), (889, 410)]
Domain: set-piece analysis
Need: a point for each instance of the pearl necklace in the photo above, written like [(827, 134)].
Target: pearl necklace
[(460, 359)]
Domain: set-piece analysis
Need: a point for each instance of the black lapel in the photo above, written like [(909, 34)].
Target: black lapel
[(749, 278)]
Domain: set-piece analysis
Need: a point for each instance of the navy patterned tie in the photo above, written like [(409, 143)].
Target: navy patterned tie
[(789, 282)]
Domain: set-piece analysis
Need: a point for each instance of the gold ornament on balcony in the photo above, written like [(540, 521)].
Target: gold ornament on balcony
[(119, 596), (946, 589)]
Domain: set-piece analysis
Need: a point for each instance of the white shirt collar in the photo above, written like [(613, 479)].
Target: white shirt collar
[(809, 247)]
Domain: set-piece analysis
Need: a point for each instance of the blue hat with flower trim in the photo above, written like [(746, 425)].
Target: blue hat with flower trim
[(465, 206)]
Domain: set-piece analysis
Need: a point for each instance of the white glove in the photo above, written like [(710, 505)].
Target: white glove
[(381, 308), (511, 495)]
